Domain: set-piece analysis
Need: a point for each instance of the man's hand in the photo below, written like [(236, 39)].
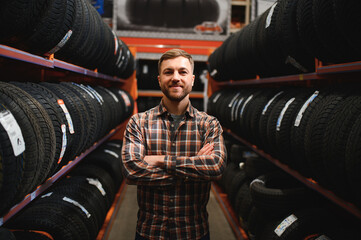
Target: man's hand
[(206, 149), (155, 160)]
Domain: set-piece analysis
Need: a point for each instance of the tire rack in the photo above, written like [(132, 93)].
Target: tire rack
[(323, 74), (52, 63)]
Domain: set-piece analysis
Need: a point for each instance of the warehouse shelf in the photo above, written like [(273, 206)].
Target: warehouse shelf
[(52, 63), (321, 73), (49, 182), (351, 208), (112, 213), (228, 212)]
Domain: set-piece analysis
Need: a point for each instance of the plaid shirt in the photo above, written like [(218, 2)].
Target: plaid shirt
[(172, 200)]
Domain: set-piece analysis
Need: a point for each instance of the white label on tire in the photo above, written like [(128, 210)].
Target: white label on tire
[(237, 108), (114, 145), (285, 224), (75, 203), (304, 107), (245, 103), (64, 143), (97, 184), (13, 130), (126, 99), (269, 16), (111, 153), (60, 44), (280, 117), (67, 115), (231, 104), (215, 99), (112, 94), (269, 102)]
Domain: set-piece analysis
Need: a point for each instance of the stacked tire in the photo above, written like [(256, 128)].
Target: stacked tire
[(286, 39), (76, 206), (72, 30), (270, 204), (43, 126), (171, 13), (312, 130)]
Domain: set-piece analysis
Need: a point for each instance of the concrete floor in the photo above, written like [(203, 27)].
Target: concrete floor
[(123, 226)]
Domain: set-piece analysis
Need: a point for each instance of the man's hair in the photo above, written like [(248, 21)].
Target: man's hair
[(174, 53)]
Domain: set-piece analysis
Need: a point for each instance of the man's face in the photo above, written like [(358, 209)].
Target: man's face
[(176, 78)]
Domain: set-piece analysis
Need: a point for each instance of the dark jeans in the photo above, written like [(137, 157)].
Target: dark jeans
[(138, 237)]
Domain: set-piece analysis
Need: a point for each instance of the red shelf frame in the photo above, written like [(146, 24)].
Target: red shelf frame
[(321, 73), (160, 45), (50, 181), (9, 52), (351, 208), (230, 215)]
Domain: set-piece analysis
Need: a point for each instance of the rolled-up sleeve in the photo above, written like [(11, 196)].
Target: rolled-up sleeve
[(135, 169)]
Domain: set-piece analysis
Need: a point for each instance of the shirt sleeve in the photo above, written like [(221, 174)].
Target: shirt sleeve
[(205, 167), (135, 169)]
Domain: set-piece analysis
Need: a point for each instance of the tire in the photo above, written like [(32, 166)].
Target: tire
[(337, 49), (277, 193), (53, 28), (33, 122), (50, 164), (79, 116)]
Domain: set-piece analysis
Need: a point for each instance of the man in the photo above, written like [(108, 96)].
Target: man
[(172, 152)]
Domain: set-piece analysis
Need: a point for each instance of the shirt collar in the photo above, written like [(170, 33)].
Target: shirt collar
[(161, 109)]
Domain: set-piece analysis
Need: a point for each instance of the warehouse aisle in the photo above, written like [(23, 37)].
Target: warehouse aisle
[(123, 227)]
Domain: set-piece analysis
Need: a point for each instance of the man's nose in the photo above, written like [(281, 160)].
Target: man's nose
[(176, 76)]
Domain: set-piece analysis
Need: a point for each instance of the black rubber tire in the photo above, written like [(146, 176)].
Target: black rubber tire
[(94, 171), (347, 18), (93, 108), (314, 135), (49, 165), (79, 116), (298, 131), (40, 125), (337, 48), (277, 193), (352, 161), (335, 140), (286, 28), (56, 219), (263, 120), (52, 28), (306, 28)]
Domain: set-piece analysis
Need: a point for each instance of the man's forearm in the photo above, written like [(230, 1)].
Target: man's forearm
[(155, 160)]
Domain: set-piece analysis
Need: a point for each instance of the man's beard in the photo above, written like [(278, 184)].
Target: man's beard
[(176, 98)]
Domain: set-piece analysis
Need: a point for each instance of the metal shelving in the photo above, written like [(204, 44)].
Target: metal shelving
[(351, 208), (52, 63), (49, 182)]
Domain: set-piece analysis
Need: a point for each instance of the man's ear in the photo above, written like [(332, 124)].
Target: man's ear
[(193, 80), (158, 80)]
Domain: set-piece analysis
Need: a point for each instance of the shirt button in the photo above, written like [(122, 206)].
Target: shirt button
[(171, 200), (172, 125), (173, 144)]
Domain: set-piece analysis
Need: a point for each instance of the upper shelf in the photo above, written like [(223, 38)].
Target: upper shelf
[(322, 72), (16, 54)]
